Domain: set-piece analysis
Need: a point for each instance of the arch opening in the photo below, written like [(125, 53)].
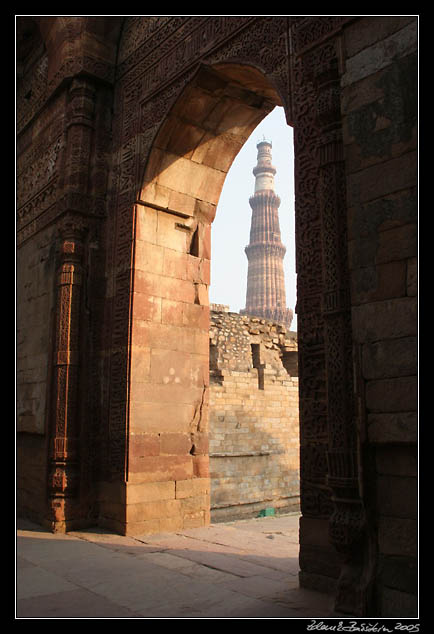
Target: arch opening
[(200, 137), (254, 413), (169, 380)]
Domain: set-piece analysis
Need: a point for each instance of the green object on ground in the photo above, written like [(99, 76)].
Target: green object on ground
[(266, 512)]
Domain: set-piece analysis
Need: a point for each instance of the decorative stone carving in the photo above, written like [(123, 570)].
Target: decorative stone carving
[(63, 479)]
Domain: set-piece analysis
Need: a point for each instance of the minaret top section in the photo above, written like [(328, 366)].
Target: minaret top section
[(264, 171)]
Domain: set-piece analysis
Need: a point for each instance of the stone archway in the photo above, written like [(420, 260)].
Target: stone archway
[(180, 119), (183, 177), (104, 153), (167, 444)]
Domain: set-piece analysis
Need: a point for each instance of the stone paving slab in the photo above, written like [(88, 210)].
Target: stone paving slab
[(245, 569)]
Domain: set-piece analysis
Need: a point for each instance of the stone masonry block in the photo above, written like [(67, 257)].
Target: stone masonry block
[(367, 220), (170, 524), (198, 269), (395, 602), (400, 573), (163, 286), (146, 527), (371, 30), (170, 366), (199, 443), (168, 392), (172, 313), (150, 492), (397, 174), (392, 395), (379, 282), (196, 520), (141, 445), (196, 316), (396, 427), (386, 319), (190, 505), (149, 257), (398, 496), (146, 225), (201, 466), (155, 417), (192, 487), (399, 461), (175, 444), (161, 469), (147, 307), (140, 364), (166, 337), (397, 243), (380, 54), (390, 358), (175, 264), (398, 536), (412, 283), (152, 510), (167, 234)]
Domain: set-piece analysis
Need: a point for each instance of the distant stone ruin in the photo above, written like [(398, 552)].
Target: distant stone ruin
[(254, 424)]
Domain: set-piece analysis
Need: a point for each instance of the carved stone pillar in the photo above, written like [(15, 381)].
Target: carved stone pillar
[(78, 210), (80, 124), (330, 452), (64, 473), (347, 524)]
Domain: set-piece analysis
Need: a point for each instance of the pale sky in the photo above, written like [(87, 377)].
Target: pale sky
[(231, 227)]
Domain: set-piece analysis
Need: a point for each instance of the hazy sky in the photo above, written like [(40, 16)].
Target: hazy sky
[(231, 227)]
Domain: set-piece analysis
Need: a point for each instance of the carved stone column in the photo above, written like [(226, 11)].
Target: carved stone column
[(64, 473), (80, 124), (78, 212), (347, 524)]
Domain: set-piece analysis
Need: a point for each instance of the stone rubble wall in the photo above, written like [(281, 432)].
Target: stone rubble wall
[(254, 426)]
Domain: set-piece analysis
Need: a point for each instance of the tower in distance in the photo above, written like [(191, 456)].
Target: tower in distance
[(266, 296)]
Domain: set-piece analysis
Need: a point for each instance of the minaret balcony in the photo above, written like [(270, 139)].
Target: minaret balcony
[(257, 249)]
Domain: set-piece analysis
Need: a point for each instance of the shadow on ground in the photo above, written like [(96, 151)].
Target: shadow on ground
[(245, 569)]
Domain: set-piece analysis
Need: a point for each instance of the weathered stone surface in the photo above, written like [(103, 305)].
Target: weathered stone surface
[(373, 58), (398, 536), (390, 358), (35, 270), (388, 319), (399, 461), (397, 427), (126, 126), (392, 395), (254, 437), (394, 602), (398, 496), (400, 574)]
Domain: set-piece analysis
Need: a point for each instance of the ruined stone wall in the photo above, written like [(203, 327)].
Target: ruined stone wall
[(254, 435)]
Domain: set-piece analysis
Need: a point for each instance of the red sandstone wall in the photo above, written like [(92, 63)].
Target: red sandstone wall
[(64, 147)]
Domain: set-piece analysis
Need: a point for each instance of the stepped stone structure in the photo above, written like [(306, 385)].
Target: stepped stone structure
[(126, 128), (253, 420), (266, 294)]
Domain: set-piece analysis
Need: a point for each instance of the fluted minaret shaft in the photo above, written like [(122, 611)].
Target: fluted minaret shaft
[(265, 296)]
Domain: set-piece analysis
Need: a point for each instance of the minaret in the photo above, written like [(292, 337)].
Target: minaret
[(266, 295)]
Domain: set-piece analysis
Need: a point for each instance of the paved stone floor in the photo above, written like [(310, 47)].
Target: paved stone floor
[(244, 569)]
